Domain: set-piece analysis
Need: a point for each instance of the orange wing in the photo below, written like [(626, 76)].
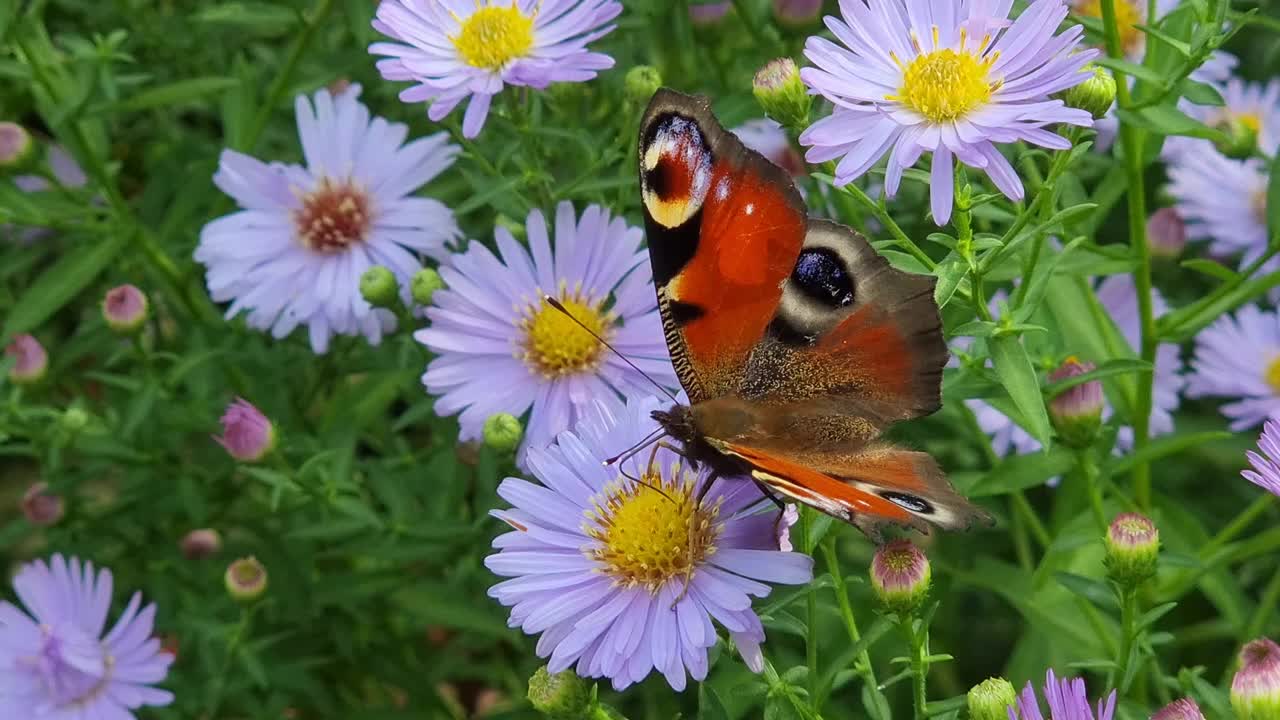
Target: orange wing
[(867, 487), (724, 227)]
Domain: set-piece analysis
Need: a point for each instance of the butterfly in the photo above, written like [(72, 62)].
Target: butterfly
[(796, 343)]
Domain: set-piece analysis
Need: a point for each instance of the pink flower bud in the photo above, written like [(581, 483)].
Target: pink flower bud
[(202, 543), (900, 576), (797, 13), (246, 579), (1166, 233), (1076, 412), (125, 309), (1255, 690), (1181, 709), (41, 507), (1133, 544), (708, 14), (247, 434), (30, 360)]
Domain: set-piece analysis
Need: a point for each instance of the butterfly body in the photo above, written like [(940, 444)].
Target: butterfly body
[(797, 343)]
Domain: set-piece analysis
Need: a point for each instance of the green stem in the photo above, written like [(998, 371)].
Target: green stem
[(1128, 636), (219, 681), (918, 639), (1131, 139), (1090, 471), (885, 219), (281, 84), (863, 666)]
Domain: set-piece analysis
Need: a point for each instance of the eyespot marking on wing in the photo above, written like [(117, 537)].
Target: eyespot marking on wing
[(676, 175), (821, 275)]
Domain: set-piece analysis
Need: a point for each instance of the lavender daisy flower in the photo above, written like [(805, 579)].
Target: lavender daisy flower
[(454, 49), (1266, 467), (1239, 357), (295, 253), (1254, 107), (491, 325), (621, 579), (952, 79), (1067, 701), (1222, 200), (55, 661)]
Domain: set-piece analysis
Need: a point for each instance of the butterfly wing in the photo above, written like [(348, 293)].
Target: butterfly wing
[(866, 487), (724, 227)]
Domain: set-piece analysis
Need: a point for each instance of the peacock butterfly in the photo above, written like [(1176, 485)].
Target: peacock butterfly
[(796, 342)]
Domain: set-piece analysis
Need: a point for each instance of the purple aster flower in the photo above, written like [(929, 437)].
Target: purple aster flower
[(491, 325), (621, 579), (1255, 107), (454, 49), (1239, 357), (1266, 467), (295, 253), (55, 661), (1067, 701), (952, 79), (1222, 200)]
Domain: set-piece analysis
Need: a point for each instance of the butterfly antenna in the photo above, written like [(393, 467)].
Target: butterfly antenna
[(629, 452), (556, 304)]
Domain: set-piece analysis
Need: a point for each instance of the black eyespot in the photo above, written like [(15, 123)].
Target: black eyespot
[(659, 180), (914, 503), (821, 275)]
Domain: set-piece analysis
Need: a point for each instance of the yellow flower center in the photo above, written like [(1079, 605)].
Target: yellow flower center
[(649, 537), (945, 84), (333, 217), (1128, 16), (1250, 120), (493, 35), (1272, 376), (555, 345)]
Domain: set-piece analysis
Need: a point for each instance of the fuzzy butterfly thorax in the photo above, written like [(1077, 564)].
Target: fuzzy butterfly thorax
[(797, 343)]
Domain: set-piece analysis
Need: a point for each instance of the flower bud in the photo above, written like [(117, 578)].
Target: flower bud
[(1181, 709), (1166, 233), (74, 419), (780, 91), (378, 287), (1077, 411), (125, 309), (1241, 136), (200, 544), (246, 579), (900, 576), (708, 14), (502, 432), (641, 82), (1094, 95), (247, 434), (30, 360), (41, 507), (1132, 543), (797, 13), (1255, 690), (424, 284), (991, 699), (17, 149), (562, 696)]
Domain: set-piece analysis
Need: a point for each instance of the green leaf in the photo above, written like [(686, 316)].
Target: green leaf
[(1018, 472), (1200, 93), (1124, 66), (437, 603), (1095, 591), (174, 93), (1163, 447), (1183, 48), (950, 272), (1167, 119), (60, 283), (709, 705), (1273, 200), (1018, 376), (1121, 366), (1211, 268)]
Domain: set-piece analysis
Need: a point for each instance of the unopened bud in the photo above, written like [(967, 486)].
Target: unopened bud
[(1094, 95), (797, 13), (1255, 689), (1241, 136), (641, 82), (30, 361), (202, 543), (562, 696), (1132, 544), (247, 434), (1166, 233), (246, 579), (1077, 411), (900, 576), (991, 699), (74, 419), (41, 507), (503, 432), (708, 14), (378, 287), (17, 149), (124, 309), (783, 95), (1181, 709), (424, 285)]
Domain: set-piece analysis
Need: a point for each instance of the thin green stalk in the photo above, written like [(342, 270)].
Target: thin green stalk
[(885, 219), (219, 681), (1233, 529), (811, 615), (1090, 471), (918, 639), (1131, 139), (1265, 612), (281, 83), (863, 666), (1128, 636)]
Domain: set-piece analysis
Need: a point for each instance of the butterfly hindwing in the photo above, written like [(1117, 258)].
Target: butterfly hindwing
[(852, 335), (724, 228)]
